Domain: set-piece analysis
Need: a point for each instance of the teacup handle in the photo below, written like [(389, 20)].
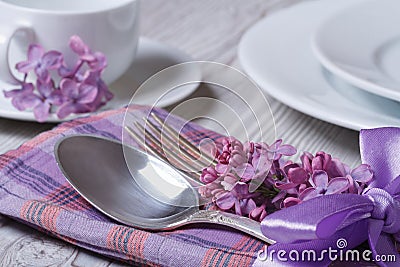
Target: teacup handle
[(7, 33)]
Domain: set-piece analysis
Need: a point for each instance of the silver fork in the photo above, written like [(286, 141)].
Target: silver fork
[(167, 148)]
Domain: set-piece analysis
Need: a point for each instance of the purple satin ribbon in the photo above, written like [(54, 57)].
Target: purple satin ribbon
[(319, 223)]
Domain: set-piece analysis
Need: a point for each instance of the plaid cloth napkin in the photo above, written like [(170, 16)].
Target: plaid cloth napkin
[(34, 191)]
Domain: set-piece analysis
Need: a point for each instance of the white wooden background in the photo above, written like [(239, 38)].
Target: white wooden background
[(207, 30)]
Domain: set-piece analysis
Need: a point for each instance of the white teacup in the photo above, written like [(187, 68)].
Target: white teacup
[(108, 26)]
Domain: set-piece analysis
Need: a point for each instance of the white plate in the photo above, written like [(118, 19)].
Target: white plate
[(151, 57), (276, 53), (361, 44)]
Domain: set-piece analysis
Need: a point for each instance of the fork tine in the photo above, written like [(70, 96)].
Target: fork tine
[(139, 140), (191, 177), (149, 137), (170, 142), (184, 141)]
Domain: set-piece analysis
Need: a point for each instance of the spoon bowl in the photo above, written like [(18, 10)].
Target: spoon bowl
[(151, 195)]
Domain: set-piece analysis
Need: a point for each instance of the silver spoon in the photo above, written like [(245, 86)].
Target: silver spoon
[(96, 167)]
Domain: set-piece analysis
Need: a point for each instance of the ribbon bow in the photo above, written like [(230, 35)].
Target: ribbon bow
[(325, 221)]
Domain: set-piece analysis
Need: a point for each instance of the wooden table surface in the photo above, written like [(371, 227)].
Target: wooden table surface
[(206, 30)]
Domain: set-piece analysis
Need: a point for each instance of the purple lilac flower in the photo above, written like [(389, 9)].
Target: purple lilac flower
[(22, 98), (277, 149), (284, 183), (40, 62), (40, 102), (238, 198), (323, 161), (81, 88), (294, 176), (103, 93), (359, 178), (77, 97), (321, 185), (48, 96)]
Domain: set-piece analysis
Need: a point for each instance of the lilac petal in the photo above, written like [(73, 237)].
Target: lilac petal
[(52, 60), (258, 214), (77, 45), (337, 185), (291, 201), (87, 93), (221, 168), (326, 159), (56, 98), (99, 63), (317, 163), (237, 158), (41, 111), (306, 159), (69, 88), (297, 175), (274, 146), (70, 108), (320, 179), (93, 78), (308, 193), (285, 186), (12, 93), (45, 88), (289, 165), (88, 57), (27, 89), (107, 94), (247, 205), (26, 102), (279, 196), (225, 201), (336, 168), (245, 171), (228, 184), (35, 52), (238, 209), (65, 71), (42, 73), (362, 173), (286, 150), (264, 161), (25, 66), (241, 189), (352, 184)]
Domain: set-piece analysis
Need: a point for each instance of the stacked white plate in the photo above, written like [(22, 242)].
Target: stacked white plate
[(338, 61)]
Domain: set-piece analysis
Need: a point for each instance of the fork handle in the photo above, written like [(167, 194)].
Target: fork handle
[(237, 222)]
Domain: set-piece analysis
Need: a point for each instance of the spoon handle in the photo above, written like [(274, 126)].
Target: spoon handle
[(240, 223)]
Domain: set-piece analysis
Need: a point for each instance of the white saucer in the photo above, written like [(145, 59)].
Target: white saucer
[(361, 44), (277, 54), (151, 57)]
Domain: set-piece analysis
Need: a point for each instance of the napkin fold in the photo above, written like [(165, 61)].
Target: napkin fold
[(34, 191)]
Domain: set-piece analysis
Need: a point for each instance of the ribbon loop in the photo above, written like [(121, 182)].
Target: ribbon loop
[(386, 208)]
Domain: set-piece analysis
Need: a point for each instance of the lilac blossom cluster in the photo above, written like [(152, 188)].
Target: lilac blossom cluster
[(58, 87), (283, 182)]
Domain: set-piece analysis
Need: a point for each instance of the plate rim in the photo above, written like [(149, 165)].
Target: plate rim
[(350, 77), (267, 84)]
